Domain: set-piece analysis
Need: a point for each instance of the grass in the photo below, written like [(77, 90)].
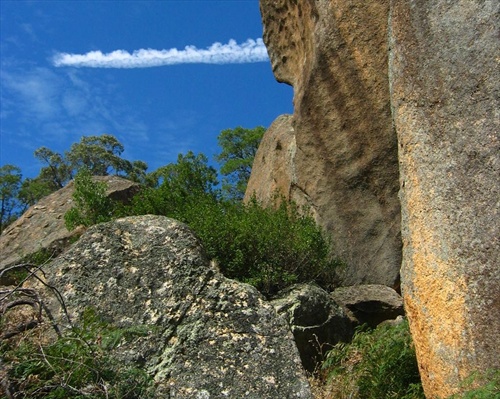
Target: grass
[(377, 364)]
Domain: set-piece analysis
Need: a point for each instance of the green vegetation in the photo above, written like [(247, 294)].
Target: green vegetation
[(10, 184), (484, 385), (377, 364), (100, 155), (77, 364), (177, 187), (270, 248), (92, 204), (238, 146)]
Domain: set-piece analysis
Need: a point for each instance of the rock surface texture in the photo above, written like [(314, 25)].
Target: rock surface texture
[(211, 338), (445, 89), (274, 163), (371, 304), (316, 320), (42, 225), (344, 160)]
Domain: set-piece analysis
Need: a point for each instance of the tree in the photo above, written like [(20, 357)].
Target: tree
[(177, 186), (98, 154), (10, 183), (191, 174), (57, 171), (138, 172), (32, 191), (239, 146)]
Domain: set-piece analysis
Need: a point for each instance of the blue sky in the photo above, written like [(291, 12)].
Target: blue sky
[(164, 77)]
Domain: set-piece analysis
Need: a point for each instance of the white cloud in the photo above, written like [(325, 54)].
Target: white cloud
[(37, 91), (230, 53)]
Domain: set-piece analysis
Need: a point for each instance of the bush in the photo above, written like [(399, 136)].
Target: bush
[(377, 364), (76, 365), (270, 248), (175, 188), (92, 205)]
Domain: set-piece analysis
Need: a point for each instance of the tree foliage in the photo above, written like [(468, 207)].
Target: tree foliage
[(238, 146), (57, 170), (33, 190), (269, 248), (10, 184), (100, 155), (176, 186)]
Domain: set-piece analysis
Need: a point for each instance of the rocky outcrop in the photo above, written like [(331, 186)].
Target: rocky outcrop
[(274, 163), (369, 304), (42, 227), (343, 163), (316, 320), (211, 337), (445, 83)]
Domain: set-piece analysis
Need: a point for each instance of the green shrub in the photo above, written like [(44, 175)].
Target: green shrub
[(176, 188), (377, 364), (484, 385), (76, 365), (92, 205), (270, 248)]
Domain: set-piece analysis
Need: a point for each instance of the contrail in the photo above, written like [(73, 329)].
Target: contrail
[(230, 53)]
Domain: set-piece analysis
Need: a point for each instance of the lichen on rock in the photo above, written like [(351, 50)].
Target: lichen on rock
[(208, 335)]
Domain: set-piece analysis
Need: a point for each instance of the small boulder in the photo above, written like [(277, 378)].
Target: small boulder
[(316, 321), (371, 304)]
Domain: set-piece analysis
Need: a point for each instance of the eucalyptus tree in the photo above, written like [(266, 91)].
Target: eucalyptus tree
[(239, 146)]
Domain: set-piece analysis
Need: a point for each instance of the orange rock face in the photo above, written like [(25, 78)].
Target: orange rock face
[(445, 82), (344, 162)]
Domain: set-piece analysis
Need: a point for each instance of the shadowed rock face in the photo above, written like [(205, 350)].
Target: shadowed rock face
[(210, 337), (344, 164), (369, 304), (316, 320), (445, 80)]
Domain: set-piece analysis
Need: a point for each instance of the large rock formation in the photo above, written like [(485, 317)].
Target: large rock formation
[(343, 163), (210, 337), (42, 227), (445, 80), (274, 163)]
